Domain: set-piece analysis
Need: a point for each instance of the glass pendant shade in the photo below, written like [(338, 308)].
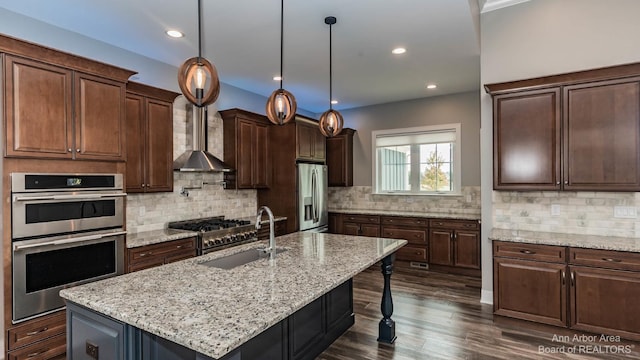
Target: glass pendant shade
[(281, 107), (331, 123), (199, 82)]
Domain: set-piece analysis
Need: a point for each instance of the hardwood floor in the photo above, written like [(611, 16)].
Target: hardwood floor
[(439, 316)]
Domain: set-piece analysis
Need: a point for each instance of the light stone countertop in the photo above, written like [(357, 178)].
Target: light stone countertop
[(214, 311), (574, 240), (156, 236), (407, 213)]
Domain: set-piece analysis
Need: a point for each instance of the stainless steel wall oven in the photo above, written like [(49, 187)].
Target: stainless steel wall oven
[(67, 229)]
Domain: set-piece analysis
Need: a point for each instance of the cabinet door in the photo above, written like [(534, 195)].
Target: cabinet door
[(350, 228), (602, 136), (38, 109), (440, 247), (412, 253), (526, 131), (305, 134), (135, 126), (245, 150), (99, 118), (372, 230), (336, 162), (530, 290), (604, 301), (467, 249), (261, 156), (335, 223), (159, 140), (319, 145)]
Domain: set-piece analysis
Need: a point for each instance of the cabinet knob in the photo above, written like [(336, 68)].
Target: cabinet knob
[(147, 185), (557, 182), (78, 150), (142, 185), (69, 150), (566, 182)]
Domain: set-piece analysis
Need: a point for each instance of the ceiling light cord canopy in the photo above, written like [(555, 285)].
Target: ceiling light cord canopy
[(331, 121), (197, 77), (281, 105)]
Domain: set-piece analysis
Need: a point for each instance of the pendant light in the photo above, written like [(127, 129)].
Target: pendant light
[(331, 121), (197, 77), (281, 105)]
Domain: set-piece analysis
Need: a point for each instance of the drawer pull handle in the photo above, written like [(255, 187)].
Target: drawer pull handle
[(612, 260), (179, 247), (145, 254), (528, 252), (390, 233), (573, 278), (32, 355), (418, 253), (439, 223), (563, 277), (31, 333)]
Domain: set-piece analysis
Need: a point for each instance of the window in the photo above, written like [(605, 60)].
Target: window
[(421, 160)]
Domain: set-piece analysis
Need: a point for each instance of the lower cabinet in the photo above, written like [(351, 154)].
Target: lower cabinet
[(583, 289), (361, 225), (148, 256), (279, 229), (414, 230), (455, 245), (42, 338), (303, 335)]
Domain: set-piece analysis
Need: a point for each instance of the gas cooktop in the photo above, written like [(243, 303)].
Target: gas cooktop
[(216, 233)]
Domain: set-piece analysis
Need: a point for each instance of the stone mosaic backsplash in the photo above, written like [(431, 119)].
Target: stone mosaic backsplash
[(584, 213), (152, 211), (360, 198)]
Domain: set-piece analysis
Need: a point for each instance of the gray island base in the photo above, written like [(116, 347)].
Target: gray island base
[(292, 308)]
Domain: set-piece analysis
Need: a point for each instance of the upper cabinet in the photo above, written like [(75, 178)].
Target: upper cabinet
[(578, 131), (62, 106), (246, 149), (311, 142), (340, 158), (149, 133)]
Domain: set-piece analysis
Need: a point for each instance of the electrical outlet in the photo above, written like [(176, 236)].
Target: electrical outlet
[(469, 199), (555, 210), (92, 350), (627, 212)]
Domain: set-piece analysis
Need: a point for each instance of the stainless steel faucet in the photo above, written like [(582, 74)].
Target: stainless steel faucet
[(271, 250)]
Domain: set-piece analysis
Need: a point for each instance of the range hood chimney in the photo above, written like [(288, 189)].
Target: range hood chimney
[(199, 159)]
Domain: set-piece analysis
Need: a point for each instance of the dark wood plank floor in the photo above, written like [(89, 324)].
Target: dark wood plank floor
[(439, 316)]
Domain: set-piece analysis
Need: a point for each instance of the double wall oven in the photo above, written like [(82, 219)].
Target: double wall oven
[(67, 229)]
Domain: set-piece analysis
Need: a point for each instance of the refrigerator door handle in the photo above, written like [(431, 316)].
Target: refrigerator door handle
[(314, 193)]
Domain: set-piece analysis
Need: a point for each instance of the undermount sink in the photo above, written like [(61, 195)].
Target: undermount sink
[(241, 258)]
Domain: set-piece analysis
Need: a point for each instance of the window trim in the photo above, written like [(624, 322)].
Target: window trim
[(457, 159)]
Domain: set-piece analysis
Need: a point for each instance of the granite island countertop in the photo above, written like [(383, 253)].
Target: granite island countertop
[(455, 216), (213, 311), (573, 240)]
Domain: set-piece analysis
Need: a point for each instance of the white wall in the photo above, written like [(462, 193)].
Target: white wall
[(545, 37)]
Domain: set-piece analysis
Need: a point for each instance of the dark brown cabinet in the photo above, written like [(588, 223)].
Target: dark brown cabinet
[(149, 130), (76, 115), (455, 245), (588, 290), (414, 230), (41, 338), (246, 149), (340, 158), (361, 225), (279, 229), (148, 256), (578, 131), (310, 141)]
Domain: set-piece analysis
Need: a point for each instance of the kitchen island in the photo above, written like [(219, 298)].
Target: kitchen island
[(196, 311)]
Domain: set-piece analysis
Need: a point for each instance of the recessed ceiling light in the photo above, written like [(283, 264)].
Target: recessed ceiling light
[(334, 102), (398, 51), (277, 78), (431, 86), (175, 33)]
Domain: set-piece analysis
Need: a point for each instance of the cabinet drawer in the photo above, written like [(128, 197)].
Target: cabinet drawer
[(54, 348), (400, 220), (160, 250), (549, 253), (410, 253), (36, 330), (454, 224), (605, 259), (364, 219), (414, 236)]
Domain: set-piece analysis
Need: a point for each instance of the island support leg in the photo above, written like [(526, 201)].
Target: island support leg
[(387, 327)]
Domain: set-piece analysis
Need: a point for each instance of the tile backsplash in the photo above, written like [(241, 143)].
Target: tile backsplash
[(152, 211), (360, 198), (584, 213)]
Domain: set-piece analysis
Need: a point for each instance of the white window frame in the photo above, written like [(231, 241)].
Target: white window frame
[(457, 158)]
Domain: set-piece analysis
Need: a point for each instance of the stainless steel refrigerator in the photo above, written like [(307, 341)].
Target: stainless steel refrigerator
[(312, 197)]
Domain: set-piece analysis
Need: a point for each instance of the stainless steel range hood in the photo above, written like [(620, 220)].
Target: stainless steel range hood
[(198, 159)]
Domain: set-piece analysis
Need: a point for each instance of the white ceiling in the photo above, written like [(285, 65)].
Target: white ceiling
[(241, 37)]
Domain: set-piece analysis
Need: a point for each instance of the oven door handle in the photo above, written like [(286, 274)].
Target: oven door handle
[(17, 247), (68, 197)]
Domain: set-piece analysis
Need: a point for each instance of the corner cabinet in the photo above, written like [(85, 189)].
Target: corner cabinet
[(149, 133), (246, 149), (59, 112), (340, 158), (578, 131)]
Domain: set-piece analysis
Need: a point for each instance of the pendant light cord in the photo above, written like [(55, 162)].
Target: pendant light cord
[(330, 70), (199, 31), (281, 39)]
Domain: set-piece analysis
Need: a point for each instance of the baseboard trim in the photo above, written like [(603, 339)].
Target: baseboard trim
[(486, 297)]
